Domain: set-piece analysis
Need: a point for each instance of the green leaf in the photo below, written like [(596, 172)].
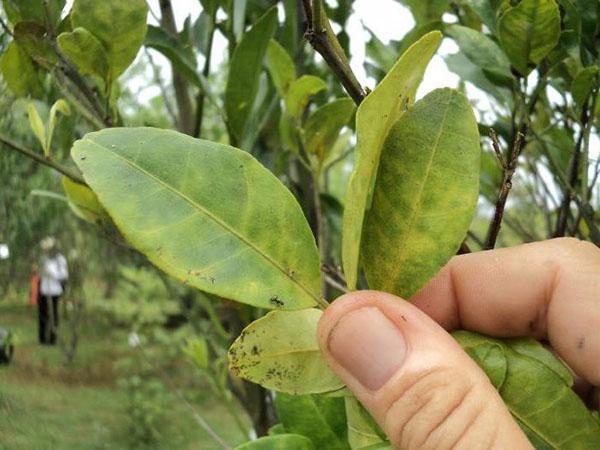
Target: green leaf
[(425, 194), (244, 73), (34, 10), (483, 52), (281, 67), (33, 38), (529, 31), (584, 83), (197, 349), (320, 418), (362, 432), (384, 55), (204, 213), (276, 429), (19, 72), (537, 393), (323, 127), (37, 125), (300, 92), (486, 10), (59, 106), (288, 132), (280, 351), (279, 442), (120, 26), (374, 118), (84, 50), (182, 58), (467, 71), (426, 11), (83, 202)]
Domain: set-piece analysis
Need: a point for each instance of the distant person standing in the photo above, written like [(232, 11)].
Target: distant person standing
[(53, 277)]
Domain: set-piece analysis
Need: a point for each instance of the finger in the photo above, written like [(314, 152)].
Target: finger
[(413, 378), (546, 289)]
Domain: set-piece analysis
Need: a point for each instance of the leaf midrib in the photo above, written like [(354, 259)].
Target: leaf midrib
[(214, 218)]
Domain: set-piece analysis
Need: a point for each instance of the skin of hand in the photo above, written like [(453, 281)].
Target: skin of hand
[(415, 380)]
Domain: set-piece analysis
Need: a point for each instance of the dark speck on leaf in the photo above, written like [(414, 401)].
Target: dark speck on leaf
[(82, 158), (254, 350), (275, 301)]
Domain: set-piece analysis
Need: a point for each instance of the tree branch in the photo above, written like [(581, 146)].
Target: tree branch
[(42, 160), (321, 37), (508, 168)]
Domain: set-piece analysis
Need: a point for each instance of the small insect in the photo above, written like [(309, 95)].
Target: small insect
[(275, 301)]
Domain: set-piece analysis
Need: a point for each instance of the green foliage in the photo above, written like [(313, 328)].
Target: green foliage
[(363, 432), (536, 387), (223, 221), (244, 74), (482, 51), (84, 50), (281, 67), (279, 442), (182, 58), (297, 96), (374, 118), (168, 210), (323, 127), (408, 233), (529, 31), (280, 351), (84, 202), (119, 26), (19, 72), (43, 132), (320, 418)]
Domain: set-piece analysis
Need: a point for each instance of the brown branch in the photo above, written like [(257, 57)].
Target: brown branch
[(41, 159), (508, 167), (321, 37)]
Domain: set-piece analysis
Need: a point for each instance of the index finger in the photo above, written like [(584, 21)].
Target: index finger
[(547, 289)]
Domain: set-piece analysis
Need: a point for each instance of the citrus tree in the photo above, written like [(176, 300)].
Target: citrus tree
[(277, 181)]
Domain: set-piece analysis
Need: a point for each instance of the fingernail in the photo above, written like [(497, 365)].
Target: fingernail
[(368, 345)]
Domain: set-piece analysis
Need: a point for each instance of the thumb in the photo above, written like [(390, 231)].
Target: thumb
[(413, 378)]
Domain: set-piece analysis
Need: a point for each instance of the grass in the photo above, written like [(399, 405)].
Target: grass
[(47, 405)]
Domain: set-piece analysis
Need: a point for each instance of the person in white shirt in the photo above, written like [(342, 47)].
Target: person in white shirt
[(53, 277)]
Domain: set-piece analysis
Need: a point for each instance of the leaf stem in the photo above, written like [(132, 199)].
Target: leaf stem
[(41, 159), (321, 37)]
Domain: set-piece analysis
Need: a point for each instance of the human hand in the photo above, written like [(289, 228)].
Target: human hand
[(417, 382)]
